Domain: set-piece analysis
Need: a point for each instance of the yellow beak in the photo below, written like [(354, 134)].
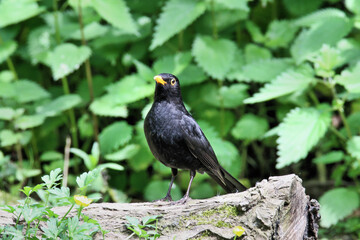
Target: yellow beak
[(160, 80)]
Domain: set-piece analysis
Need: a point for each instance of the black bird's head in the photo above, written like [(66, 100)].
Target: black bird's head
[(167, 87)]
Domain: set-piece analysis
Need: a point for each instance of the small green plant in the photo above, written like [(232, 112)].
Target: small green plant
[(140, 228), (55, 226)]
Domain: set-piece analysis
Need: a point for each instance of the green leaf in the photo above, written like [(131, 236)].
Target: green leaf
[(6, 50), (84, 156), (350, 79), (174, 64), (113, 166), (29, 121), (114, 136), (28, 91), (329, 31), (105, 106), (250, 127), (8, 138), (228, 97), (59, 105), (298, 8), (15, 11), (301, 129), (353, 146), (254, 53), (288, 82), (215, 56), (280, 34), (124, 153), (329, 158), (7, 113), (326, 61), (171, 22), (116, 13), (66, 58), (337, 204), (353, 6), (91, 31), (156, 190), (144, 71), (51, 179), (130, 89), (266, 70), (49, 156), (192, 74), (39, 43)]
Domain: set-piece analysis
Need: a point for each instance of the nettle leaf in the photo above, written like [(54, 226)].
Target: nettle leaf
[(39, 44), (28, 91), (7, 49), (225, 96), (266, 70), (331, 157), (326, 61), (329, 31), (130, 89), (192, 74), (91, 31), (350, 79), (174, 64), (215, 56), (280, 33), (59, 105), (254, 53), (171, 22), (286, 83), (116, 13), (236, 70), (15, 11), (29, 121), (7, 113), (353, 146), (106, 106), (301, 129), (250, 127), (114, 136), (66, 58), (337, 204)]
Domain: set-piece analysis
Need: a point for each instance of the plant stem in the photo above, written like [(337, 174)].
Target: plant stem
[(66, 161), (213, 20), (71, 113), (67, 213), (10, 64), (88, 75)]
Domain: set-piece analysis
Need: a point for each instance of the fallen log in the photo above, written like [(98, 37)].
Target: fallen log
[(277, 208)]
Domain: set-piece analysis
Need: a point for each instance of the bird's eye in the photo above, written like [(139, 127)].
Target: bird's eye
[(173, 81)]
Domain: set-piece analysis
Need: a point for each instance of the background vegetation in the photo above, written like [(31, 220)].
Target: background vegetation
[(275, 86)]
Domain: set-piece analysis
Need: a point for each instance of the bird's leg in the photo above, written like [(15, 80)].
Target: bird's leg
[(186, 196), (168, 198)]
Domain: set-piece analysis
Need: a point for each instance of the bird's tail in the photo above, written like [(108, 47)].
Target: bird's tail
[(230, 184)]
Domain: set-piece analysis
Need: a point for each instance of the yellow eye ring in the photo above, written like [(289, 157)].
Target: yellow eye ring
[(173, 81)]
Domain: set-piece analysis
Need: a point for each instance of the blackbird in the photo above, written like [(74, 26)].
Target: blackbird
[(176, 140)]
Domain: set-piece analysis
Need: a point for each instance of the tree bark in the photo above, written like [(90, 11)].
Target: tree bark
[(277, 208)]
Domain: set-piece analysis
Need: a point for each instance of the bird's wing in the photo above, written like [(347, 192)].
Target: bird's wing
[(199, 146)]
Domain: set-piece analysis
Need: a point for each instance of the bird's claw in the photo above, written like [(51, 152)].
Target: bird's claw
[(181, 201)]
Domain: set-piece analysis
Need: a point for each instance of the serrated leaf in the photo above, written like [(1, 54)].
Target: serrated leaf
[(116, 13), (130, 89), (301, 129), (59, 105), (254, 53), (66, 58), (7, 49), (337, 204), (225, 96), (319, 16), (353, 146), (286, 83), (250, 127), (114, 136), (144, 71), (174, 64), (331, 157), (326, 61), (7, 113), (192, 74), (28, 91), (29, 121), (266, 70), (350, 79), (280, 34), (105, 106), (171, 22), (15, 11), (215, 56), (124, 153), (329, 31)]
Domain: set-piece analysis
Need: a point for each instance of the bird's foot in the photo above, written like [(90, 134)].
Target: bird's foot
[(181, 201), (168, 198)]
